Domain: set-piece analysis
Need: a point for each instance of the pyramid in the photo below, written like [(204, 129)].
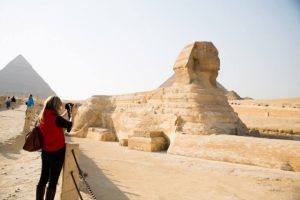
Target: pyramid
[(232, 95), (19, 78), (169, 82)]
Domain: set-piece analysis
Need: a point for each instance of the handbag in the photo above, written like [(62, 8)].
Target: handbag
[(33, 140)]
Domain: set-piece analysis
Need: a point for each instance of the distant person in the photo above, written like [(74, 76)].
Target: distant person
[(8, 102), (29, 114), (53, 151), (13, 102), (30, 101)]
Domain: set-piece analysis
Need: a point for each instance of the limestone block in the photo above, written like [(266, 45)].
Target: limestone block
[(68, 190), (29, 119), (123, 142), (101, 134), (72, 194), (147, 141), (279, 154), (148, 134)]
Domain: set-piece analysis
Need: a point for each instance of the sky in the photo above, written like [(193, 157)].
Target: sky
[(108, 47)]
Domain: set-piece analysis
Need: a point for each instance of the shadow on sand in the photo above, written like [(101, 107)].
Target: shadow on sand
[(15, 144), (12, 146), (101, 185)]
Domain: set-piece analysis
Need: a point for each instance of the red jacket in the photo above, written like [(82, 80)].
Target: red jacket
[(53, 136)]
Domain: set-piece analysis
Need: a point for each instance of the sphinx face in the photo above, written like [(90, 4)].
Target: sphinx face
[(206, 58), (197, 63), (205, 65)]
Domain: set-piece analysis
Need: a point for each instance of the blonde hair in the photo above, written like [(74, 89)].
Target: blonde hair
[(52, 103)]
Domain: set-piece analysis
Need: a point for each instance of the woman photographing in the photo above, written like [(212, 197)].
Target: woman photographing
[(52, 126)]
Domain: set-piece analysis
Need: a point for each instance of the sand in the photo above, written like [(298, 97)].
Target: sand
[(278, 117), (11, 123), (117, 173)]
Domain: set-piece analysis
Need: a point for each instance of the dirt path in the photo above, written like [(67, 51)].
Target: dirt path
[(119, 173), (11, 123)]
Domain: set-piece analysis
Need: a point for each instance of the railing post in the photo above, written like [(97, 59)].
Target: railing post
[(68, 188)]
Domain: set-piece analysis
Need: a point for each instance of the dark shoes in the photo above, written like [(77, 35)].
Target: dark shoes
[(40, 191), (50, 194)]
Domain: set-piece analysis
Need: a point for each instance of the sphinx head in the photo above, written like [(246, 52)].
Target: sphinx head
[(197, 63)]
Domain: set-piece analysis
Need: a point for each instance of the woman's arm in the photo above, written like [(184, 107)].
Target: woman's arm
[(63, 123), (64, 113)]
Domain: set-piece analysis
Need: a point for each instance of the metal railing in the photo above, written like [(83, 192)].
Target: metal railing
[(82, 176)]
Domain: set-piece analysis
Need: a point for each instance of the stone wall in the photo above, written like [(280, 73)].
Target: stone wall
[(279, 154)]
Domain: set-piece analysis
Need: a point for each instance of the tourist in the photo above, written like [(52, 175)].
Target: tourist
[(8, 102), (13, 102), (53, 151), (30, 101), (29, 114)]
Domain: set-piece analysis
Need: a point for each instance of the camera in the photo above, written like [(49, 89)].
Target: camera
[(68, 107)]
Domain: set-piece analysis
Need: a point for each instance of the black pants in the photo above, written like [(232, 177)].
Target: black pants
[(52, 163)]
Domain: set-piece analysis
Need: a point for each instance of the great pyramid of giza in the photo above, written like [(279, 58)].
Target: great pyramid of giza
[(19, 78), (169, 82)]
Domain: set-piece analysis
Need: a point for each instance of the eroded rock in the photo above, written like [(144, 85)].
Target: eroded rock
[(189, 116)]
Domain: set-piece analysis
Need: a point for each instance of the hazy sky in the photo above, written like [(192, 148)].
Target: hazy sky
[(91, 47)]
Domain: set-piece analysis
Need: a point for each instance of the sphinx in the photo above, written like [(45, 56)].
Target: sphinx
[(191, 104), (188, 115)]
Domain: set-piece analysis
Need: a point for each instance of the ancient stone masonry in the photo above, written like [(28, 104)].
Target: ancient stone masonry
[(29, 119), (31, 115), (192, 106)]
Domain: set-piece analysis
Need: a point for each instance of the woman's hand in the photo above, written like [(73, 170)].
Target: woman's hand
[(74, 109), (64, 113)]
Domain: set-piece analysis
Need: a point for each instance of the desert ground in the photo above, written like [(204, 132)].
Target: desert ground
[(117, 173), (277, 118)]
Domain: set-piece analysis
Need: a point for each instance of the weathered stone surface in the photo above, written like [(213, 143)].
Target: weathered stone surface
[(148, 141), (31, 115), (101, 134), (192, 104), (192, 113), (148, 134), (280, 154), (271, 118), (29, 119), (123, 142), (68, 190)]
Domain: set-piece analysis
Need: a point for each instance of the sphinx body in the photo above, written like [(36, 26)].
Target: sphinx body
[(192, 104), (189, 115)]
